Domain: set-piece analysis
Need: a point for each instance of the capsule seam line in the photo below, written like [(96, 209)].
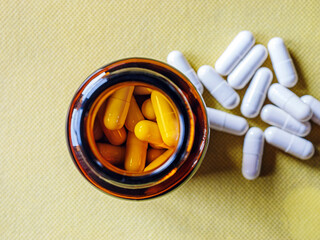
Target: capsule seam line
[(224, 121), (217, 87), (288, 100), (285, 123), (120, 99), (287, 60), (290, 144)]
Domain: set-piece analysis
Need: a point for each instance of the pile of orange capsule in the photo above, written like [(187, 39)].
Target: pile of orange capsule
[(136, 136)]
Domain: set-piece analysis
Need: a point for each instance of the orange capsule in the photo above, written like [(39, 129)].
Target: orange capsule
[(134, 115), (136, 152), (159, 160), (147, 110), (148, 131), (117, 108), (112, 154), (142, 91), (115, 137), (97, 131), (159, 146), (153, 153), (166, 118)]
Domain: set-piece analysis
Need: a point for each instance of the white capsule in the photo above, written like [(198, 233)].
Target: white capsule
[(218, 87), (289, 102), (256, 93), (177, 60), (236, 50), (226, 122), (290, 143), (277, 117), (252, 153), (242, 74), (314, 104), (282, 63)]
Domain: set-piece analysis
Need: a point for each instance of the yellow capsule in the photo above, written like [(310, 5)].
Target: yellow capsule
[(97, 131), (117, 108), (147, 110), (134, 115), (136, 151), (112, 154), (159, 160), (166, 119), (153, 153), (148, 131), (142, 91)]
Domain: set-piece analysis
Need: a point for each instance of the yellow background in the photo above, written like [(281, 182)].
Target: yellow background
[(47, 50)]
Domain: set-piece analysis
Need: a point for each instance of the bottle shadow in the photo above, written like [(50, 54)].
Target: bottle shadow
[(225, 154), (219, 156), (314, 137), (301, 84), (268, 160)]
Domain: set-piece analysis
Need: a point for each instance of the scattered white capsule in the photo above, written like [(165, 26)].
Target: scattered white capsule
[(314, 104), (236, 50), (290, 143), (177, 60), (242, 74), (226, 122), (256, 93), (218, 87), (282, 63), (277, 117), (289, 102), (252, 153)]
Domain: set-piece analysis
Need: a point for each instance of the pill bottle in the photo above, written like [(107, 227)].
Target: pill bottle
[(193, 124)]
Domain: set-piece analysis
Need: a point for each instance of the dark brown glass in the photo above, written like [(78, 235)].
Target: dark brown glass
[(194, 130)]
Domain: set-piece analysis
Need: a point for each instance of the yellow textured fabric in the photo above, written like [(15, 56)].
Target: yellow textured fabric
[(49, 47)]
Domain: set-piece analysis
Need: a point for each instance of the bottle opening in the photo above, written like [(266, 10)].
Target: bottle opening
[(133, 128)]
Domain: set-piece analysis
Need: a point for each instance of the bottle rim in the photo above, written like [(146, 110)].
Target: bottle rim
[(111, 76)]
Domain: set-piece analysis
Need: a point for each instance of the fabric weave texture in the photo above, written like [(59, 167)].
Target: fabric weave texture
[(48, 48)]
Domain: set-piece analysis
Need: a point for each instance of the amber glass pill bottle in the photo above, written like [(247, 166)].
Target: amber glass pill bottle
[(142, 74)]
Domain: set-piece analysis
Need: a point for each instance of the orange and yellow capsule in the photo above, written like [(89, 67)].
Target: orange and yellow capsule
[(159, 160), (134, 115), (148, 131), (159, 146), (153, 153), (147, 110), (117, 108), (136, 152), (142, 91), (166, 119), (115, 137), (112, 154)]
